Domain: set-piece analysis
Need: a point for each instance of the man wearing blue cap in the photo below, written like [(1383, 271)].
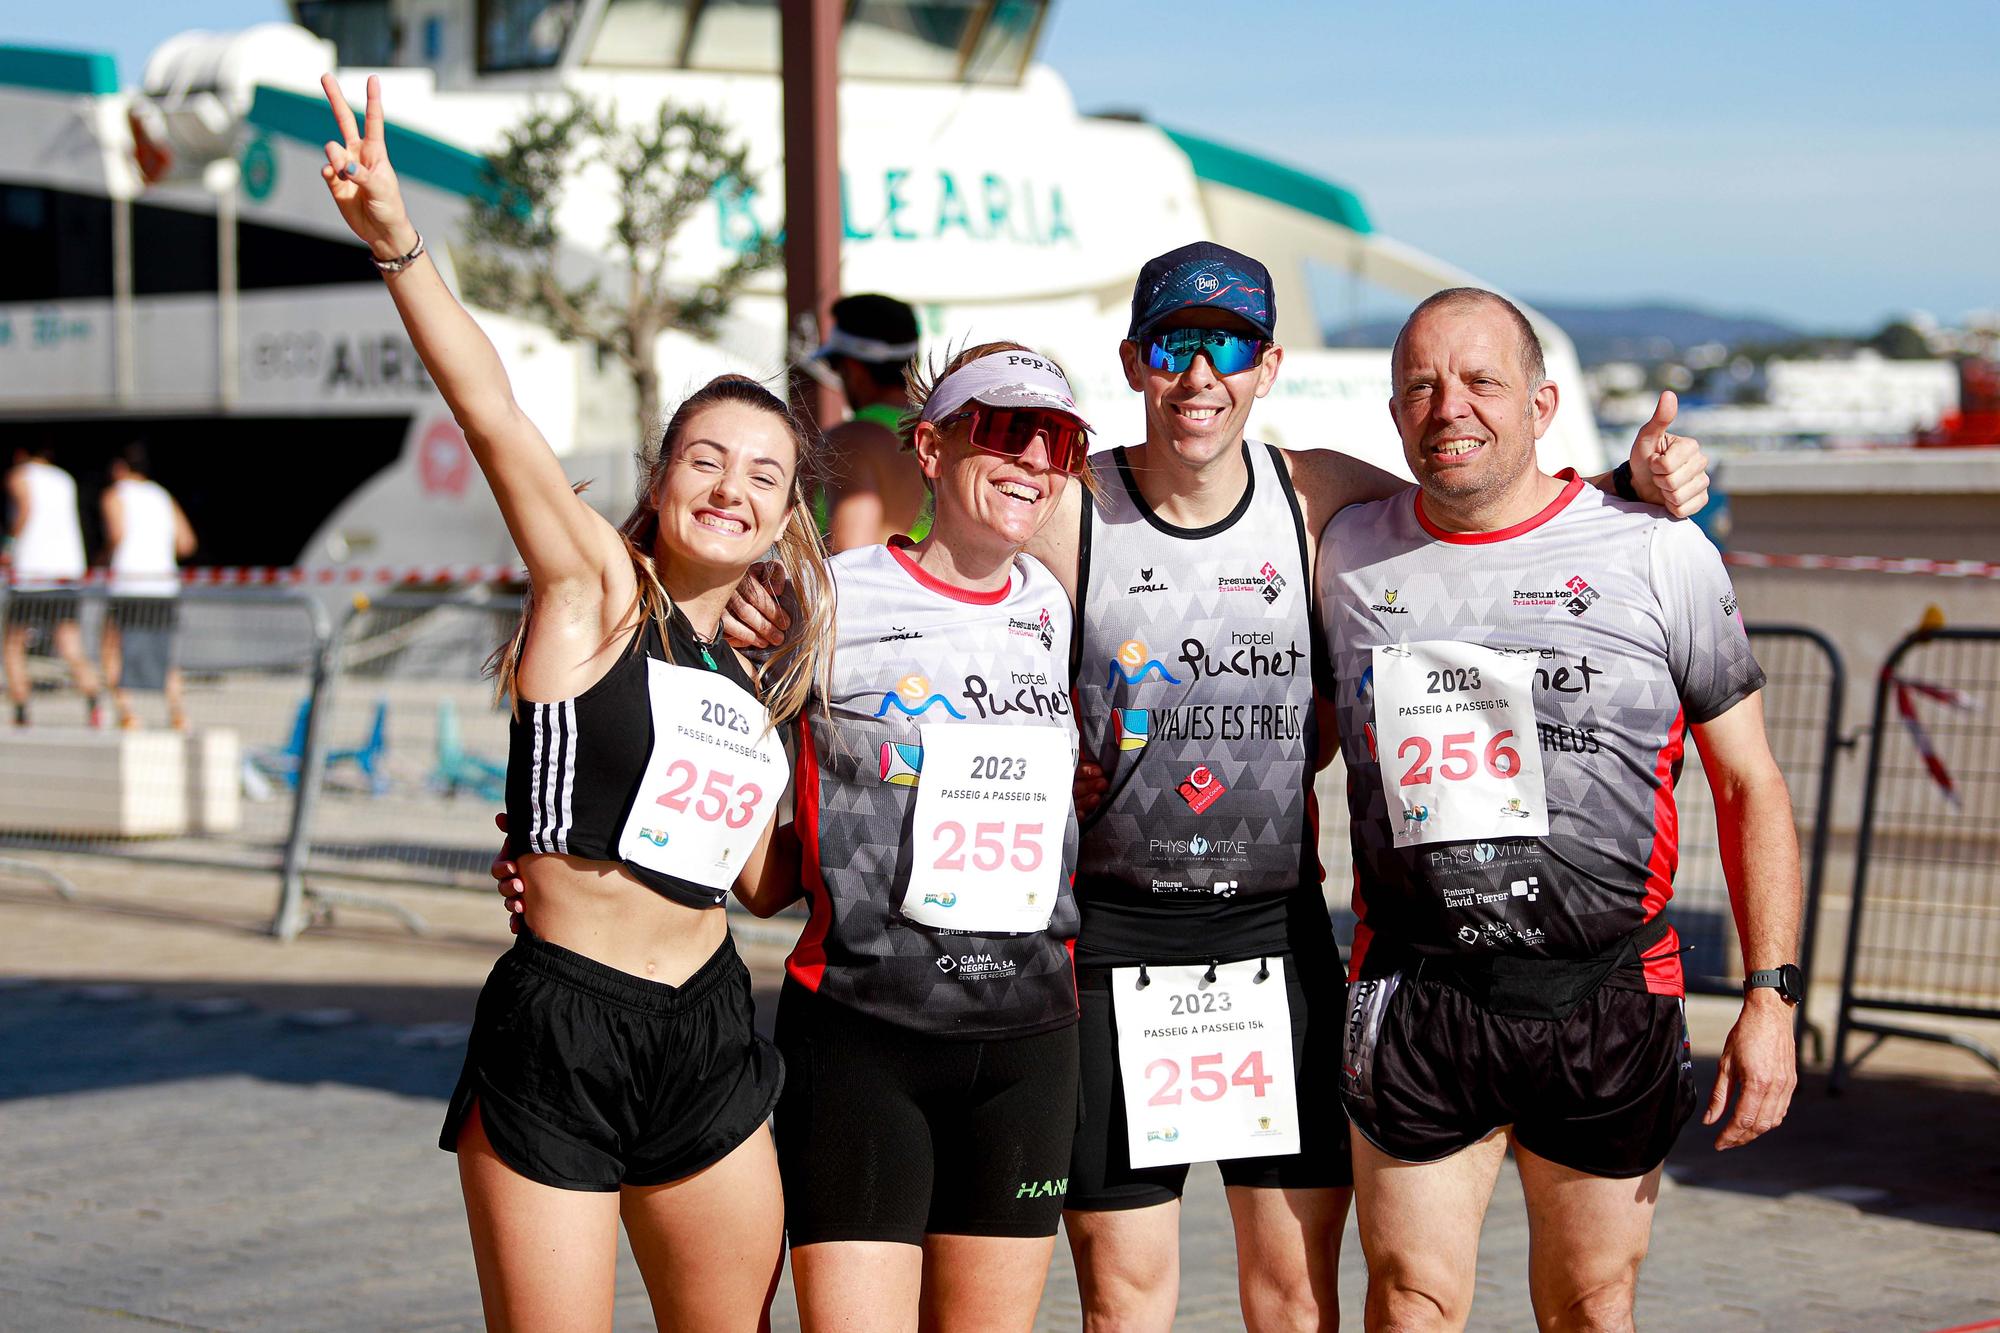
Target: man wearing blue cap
[(1211, 987)]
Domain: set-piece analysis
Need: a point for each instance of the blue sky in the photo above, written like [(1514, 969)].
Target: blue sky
[(1831, 163)]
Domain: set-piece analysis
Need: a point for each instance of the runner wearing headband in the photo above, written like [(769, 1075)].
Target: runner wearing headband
[(928, 1013), (613, 1071), (874, 490)]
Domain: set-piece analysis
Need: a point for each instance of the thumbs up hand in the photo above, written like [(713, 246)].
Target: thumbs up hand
[(1667, 469)]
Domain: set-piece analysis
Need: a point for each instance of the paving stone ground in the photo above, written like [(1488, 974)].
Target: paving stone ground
[(202, 1129)]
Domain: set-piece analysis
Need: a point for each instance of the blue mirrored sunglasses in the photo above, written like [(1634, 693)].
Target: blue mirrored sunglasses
[(1173, 350)]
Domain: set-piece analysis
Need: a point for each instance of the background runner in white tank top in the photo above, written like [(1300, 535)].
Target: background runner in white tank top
[(1633, 635), (911, 649), (1195, 696), (143, 563), (50, 547)]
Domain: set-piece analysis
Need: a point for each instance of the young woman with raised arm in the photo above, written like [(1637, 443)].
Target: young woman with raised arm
[(613, 1072)]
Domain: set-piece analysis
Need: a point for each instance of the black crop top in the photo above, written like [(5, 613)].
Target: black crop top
[(574, 767)]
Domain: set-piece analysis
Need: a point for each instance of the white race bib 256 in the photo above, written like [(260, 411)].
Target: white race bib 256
[(1455, 735)]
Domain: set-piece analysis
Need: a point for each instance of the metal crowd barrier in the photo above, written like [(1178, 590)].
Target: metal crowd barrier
[(407, 751), (220, 792), (1924, 934), (1805, 686)]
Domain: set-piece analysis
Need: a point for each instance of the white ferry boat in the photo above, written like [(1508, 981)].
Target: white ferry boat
[(176, 271)]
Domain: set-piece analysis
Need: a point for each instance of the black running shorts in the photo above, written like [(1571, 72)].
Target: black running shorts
[(156, 613), (1604, 1091), (1101, 1175), (588, 1078), (42, 608), (889, 1134)]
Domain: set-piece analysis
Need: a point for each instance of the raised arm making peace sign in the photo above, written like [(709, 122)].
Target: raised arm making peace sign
[(613, 1069)]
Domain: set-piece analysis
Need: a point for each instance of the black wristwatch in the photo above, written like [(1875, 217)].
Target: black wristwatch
[(1621, 481), (1786, 979)]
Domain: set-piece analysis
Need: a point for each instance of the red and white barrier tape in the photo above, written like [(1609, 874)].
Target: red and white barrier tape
[(1870, 564), (221, 576)]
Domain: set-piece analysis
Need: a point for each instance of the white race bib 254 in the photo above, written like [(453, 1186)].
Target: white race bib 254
[(1206, 1066)]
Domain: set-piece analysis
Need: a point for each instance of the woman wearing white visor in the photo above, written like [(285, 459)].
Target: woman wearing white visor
[(928, 1013)]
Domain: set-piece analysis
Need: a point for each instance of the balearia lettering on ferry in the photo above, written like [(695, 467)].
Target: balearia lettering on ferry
[(1252, 653)]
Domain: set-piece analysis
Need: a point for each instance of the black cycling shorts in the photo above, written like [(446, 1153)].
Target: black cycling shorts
[(1605, 1091), (1101, 1175), (588, 1078), (889, 1134)]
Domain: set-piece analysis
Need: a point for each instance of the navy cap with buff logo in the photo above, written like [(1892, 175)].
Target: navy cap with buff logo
[(1203, 274)]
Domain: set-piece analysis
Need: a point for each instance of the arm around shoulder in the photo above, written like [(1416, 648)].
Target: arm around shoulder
[(769, 882), (1328, 481), (1057, 544)]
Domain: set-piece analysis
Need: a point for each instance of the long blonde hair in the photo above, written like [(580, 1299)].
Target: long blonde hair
[(787, 678)]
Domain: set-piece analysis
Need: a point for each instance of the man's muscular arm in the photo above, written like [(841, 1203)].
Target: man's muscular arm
[(1760, 860), (1056, 544)]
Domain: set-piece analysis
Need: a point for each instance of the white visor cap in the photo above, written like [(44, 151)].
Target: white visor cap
[(1004, 379)]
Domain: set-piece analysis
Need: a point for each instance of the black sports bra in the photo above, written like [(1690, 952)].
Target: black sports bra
[(574, 767)]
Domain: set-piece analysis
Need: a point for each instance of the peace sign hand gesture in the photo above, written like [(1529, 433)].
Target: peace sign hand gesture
[(363, 183)]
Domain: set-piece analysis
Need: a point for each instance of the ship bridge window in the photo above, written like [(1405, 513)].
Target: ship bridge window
[(939, 41), (58, 244), (978, 41), (1001, 52), (524, 34), (362, 31), (735, 35), (647, 34), (907, 39)]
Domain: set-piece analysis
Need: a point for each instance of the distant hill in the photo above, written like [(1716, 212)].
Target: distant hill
[(1614, 333)]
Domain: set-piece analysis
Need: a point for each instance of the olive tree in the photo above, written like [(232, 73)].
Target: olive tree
[(663, 171)]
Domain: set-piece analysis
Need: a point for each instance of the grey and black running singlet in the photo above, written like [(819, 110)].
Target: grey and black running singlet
[(914, 655), (1195, 693)]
